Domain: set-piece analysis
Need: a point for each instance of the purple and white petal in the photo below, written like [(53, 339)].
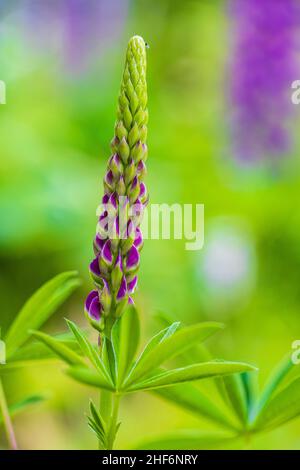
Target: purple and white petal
[(94, 267), (132, 259), (113, 200), (98, 243), (138, 240), (123, 290), (106, 253), (95, 309), (93, 306), (131, 285)]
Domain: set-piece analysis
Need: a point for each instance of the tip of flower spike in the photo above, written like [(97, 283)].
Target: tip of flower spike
[(137, 40), (137, 48)]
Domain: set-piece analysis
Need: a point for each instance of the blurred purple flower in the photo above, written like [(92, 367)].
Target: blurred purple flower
[(262, 71), (78, 30)]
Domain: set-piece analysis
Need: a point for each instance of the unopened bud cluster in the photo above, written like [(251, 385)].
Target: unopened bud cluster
[(117, 252)]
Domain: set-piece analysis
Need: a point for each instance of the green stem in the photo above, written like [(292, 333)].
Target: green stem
[(112, 430), (105, 408), (7, 420)]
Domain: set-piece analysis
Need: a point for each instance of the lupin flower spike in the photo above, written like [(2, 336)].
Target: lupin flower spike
[(117, 243)]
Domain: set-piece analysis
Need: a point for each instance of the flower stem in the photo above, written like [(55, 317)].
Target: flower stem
[(7, 420), (113, 425)]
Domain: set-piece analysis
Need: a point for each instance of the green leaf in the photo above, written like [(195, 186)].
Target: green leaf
[(22, 405), (278, 375), (62, 351), (236, 396), (250, 382), (190, 373), (190, 398), (39, 308), (199, 353), (108, 358), (172, 346), (88, 349), (37, 351), (97, 425), (154, 341), (125, 337), (282, 408), (89, 377)]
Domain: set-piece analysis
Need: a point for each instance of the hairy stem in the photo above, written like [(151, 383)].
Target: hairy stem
[(7, 420)]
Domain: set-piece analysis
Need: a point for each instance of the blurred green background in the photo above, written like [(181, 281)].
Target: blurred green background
[(55, 132)]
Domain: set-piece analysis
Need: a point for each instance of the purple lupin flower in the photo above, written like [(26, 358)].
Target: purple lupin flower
[(118, 240), (261, 76)]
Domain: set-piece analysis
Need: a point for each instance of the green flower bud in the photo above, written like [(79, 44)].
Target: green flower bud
[(120, 130), (143, 134), (137, 152), (124, 150), (114, 145), (105, 299), (117, 259), (120, 187), (130, 172), (117, 273), (133, 135)]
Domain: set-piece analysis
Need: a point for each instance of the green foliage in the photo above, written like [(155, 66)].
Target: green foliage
[(39, 308), (21, 352), (90, 377), (256, 413), (116, 368), (172, 344), (278, 375), (282, 408), (190, 373), (21, 349), (125, 338), (88, 350), (98, 426), (65, 353), (189, 397), (236, 395), (122, 373)]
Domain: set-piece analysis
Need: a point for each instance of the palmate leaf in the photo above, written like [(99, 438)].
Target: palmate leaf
[(125, 337), (236, 395), (168, 348), (198, 353), (60, 349), (39, 308), (81, 372), (250, 382), (88, 349), (35, 350), (284, 407), (190, 373), (98, 426), (87, 376), (278, 375), (108, 358), (152, 343), (190, 398)]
